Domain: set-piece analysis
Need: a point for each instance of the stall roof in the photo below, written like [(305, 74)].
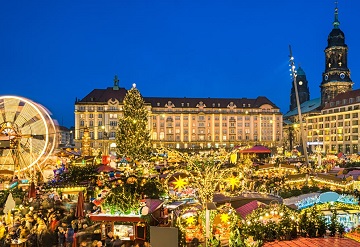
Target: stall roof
[(258, 149), (248, 208), (175, 204), (108, 217)]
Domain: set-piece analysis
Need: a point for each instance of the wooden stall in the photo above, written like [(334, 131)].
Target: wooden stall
[(128, 228)]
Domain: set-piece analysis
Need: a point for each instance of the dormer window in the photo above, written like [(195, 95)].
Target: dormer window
[(169, 104), (158, 104), (231, 105), (201, 104)]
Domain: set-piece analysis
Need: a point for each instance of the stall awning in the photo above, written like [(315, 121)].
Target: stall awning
[(258, 149), (248, 208), (108, 217)]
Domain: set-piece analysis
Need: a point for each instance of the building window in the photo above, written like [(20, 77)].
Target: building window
[(113, 123), (154, 137)]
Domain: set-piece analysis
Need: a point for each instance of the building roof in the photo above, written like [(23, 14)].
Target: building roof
[(340, 99), (103, 95), (209, 102), (246, 209), (63, 128), (306, 107)]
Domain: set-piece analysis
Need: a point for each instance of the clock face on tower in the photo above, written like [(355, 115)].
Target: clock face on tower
[(326, 77), (300, 83), (342, 75)]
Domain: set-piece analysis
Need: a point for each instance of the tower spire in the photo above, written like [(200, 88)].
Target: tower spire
[(336, 22)]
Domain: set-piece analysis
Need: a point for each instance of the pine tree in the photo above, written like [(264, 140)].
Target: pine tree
[(133, 136)]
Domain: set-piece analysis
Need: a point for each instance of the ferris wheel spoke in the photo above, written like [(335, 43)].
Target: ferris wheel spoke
[(32, 132), (23, 161), (10, 107)]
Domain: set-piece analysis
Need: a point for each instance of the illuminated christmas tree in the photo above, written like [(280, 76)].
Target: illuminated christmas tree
[(133, 136)]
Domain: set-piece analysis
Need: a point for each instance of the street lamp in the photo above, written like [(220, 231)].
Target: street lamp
[(293, 74)]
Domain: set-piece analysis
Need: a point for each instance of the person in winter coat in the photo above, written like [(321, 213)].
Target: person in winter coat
[(32, 238), (69, 236), (117, 242), (61, 237), (109, 239)]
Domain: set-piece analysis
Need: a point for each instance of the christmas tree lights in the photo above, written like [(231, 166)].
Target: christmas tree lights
[(133, 136)]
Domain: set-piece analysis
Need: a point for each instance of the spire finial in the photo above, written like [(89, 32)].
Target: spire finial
[(336, 22)]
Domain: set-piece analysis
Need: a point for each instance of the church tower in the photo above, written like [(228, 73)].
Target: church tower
[(302, 88), (336, 78)]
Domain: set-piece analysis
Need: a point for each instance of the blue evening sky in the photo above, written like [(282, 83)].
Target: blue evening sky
[(56, 51)]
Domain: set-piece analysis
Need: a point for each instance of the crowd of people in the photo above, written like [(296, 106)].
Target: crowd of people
[(40, 228), (53, 227)]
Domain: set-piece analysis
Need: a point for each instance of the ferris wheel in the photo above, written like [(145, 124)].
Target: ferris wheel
[(27, 134)]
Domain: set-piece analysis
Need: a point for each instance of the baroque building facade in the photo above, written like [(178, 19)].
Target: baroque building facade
[(182, 123), (336, 129), (331, 121)]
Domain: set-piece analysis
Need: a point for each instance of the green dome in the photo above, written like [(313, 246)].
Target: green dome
[(300, 71)]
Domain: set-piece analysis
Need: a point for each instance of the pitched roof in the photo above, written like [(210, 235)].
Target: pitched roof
[(103, 95), (210, 102), (256, 149), (341, 97), (306, 107), (246, 209)]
